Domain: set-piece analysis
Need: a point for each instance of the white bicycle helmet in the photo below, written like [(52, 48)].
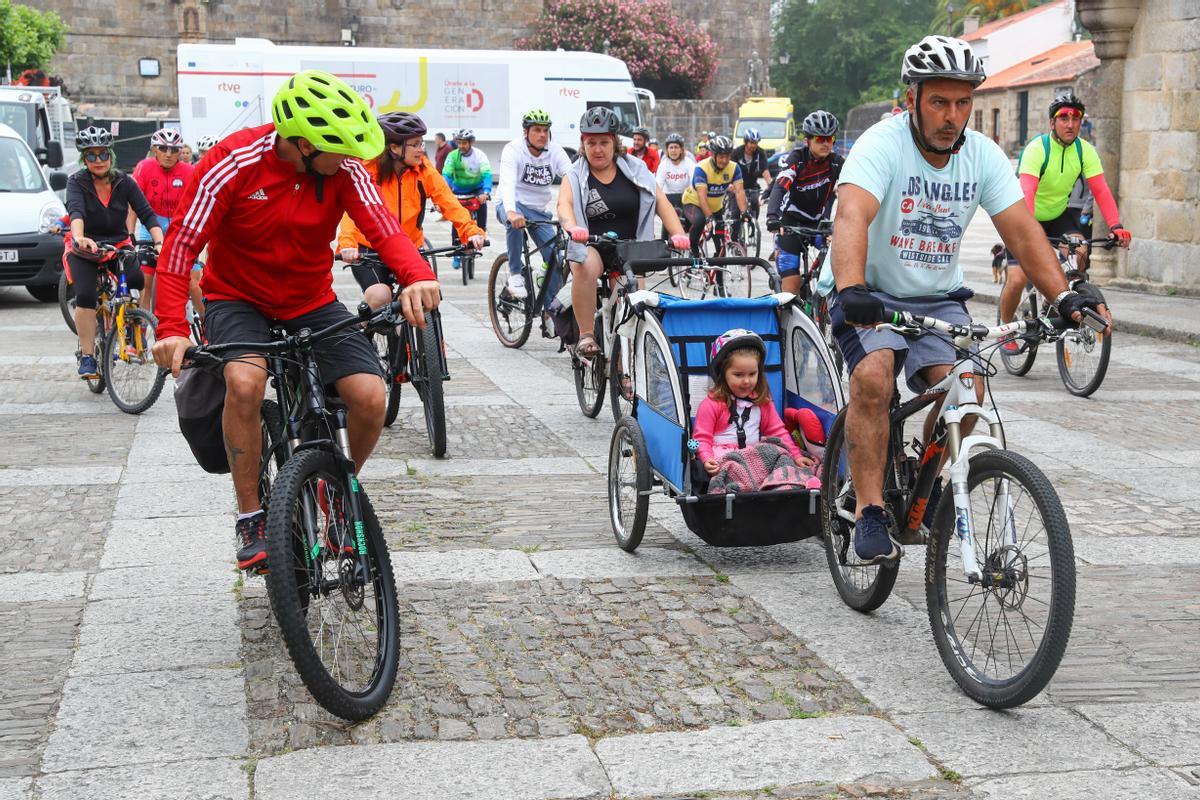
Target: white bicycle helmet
[(465, 134), (167, 137), (820, 123), (207, 142), (942, 57)]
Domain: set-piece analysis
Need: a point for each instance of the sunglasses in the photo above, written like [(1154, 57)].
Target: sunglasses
[(162, 148), (823, 139), (92, 158), (1067, 114)]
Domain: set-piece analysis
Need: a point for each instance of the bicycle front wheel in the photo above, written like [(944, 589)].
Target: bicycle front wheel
[(620, 378), (734, 281), (1002, 637), (387, 345), (66, 300), (1083, 355), (133, 379), (429, 387), (512, 317), (863, 587), (752, 237), (1020, 362), (340, 625)]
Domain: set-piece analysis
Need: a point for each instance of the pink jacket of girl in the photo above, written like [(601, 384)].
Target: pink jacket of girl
[(712, 419)]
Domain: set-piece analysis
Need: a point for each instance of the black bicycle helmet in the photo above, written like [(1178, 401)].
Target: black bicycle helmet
[(720, 145), (599, 120), (641, 131), (675, 138), (400, 126), (820, 123), (1066, 100), (93, 137)]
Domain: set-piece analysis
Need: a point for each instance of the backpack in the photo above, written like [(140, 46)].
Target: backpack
[(1045, 137)]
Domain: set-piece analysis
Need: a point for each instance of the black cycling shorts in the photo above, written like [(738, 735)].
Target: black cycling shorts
[(1067, 222), (348, 353), (371, 274)]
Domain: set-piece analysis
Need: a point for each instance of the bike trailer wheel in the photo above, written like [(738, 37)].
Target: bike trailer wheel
[(629, 481)]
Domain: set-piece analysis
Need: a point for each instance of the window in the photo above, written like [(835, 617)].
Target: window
[(660, 395), (18, 171), (813, 381), (979, 121), (767, 128), (996, 124)]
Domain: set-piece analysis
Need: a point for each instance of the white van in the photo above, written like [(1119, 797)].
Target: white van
[(29, 256), (226, 87)]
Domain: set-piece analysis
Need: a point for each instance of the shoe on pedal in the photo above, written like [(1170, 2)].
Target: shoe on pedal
[(1012, 346), (88, 367), (873, 542), (516, 286), (338, 538), (251, 535)]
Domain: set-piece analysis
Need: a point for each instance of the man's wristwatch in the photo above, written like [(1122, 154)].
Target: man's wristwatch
[(1061, 296)]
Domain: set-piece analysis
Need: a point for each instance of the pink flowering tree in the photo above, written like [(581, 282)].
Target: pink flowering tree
[(672, 56)]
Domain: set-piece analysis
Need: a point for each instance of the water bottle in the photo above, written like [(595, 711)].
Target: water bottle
[(540, 276)]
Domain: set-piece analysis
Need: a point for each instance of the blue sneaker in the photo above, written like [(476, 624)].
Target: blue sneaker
[(88, 367), (454, 263), (873, 540)]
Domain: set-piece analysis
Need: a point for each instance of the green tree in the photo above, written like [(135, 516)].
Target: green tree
[(951, 13), (844, 52), (28, 38)]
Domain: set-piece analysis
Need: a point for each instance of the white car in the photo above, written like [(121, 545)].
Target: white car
[(29, 255)]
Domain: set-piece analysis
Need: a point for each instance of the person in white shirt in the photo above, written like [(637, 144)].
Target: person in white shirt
[(675, 173), (528, 167)]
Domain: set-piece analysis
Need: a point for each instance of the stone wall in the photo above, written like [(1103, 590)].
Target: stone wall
[(1160, 137), (99, 63)]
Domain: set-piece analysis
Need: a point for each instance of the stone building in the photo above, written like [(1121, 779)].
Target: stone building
[(108, 38), (1147, 128)]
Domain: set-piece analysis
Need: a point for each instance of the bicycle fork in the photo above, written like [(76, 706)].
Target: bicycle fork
[(959, 451)]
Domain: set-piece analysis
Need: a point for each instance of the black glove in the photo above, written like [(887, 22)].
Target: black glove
[(859, 306), (773, 223), (1073, 302)]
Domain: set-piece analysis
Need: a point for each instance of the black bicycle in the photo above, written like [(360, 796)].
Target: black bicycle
[(418, 357), (748, 234), (512, 317), (815, 305), (329, 575)]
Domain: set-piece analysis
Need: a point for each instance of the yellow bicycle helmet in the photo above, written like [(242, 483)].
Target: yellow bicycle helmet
[(328, 113)]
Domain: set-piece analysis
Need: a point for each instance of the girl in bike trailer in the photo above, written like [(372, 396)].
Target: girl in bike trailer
[(405, 178), (161, 177), (675, 172), (608, 191), (99, 199)]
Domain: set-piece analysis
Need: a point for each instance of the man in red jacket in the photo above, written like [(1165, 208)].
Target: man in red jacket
[(267, 201)]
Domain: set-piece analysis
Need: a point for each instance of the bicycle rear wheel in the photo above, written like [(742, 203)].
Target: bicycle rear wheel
[(427, 379), (133, 379), (341, 626), (512, 318), (387, 345), (862, 587), (1021, 362), (66, 300), (734, 281), (1002, 638)]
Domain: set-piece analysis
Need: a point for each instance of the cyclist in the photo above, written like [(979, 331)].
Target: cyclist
[(161, 177), (1049, 168), (99, 200), (712, 179), (528, 167), (206, 143), (803, 192), (269, 199), (641, 149), (469, 174), (404, 178), (909, 181), (606, 191), (702, 149), (752, 161), (675, 173)]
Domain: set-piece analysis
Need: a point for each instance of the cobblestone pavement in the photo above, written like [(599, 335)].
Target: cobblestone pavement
[(537, 659)]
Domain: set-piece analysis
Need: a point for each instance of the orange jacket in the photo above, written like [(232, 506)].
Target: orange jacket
[(409, 198)]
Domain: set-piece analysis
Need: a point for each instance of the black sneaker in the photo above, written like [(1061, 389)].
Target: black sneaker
[(873, 542), (252, 542)]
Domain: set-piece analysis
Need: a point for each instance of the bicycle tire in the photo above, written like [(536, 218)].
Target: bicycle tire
[(273, 454), (620, 382), (502, 307), (1027, 683), (464, 269), (295, 605), (734, 281), (1019, 364), (628, 444), (138, 402), (429, 388), (752, 237), (392, 388), (591, 381), (1086, 341), (66, 300), (865, 595)]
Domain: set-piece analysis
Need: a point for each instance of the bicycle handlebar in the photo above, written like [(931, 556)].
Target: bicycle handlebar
[(909, 325), (460, 249), (654, 264), (1109, 242), (800, 230)]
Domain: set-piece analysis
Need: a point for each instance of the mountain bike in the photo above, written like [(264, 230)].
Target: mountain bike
[(512, 317), (125, 334), (466, 261), (336, 607), (1083, 354), (417, 357), (749, 235), (999, 562)]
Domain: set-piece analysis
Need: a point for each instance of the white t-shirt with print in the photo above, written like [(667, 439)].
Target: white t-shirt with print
[(674, 178), (914, 241)]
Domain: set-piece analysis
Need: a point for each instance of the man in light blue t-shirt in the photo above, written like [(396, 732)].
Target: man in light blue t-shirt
[(907, 192)]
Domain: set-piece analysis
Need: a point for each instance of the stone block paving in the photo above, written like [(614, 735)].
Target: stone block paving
[(45, 440), (554, 657), (479, 431), (55, 528)]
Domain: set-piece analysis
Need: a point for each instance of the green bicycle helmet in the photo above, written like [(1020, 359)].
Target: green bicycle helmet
[(328, 113), (535, 116)]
